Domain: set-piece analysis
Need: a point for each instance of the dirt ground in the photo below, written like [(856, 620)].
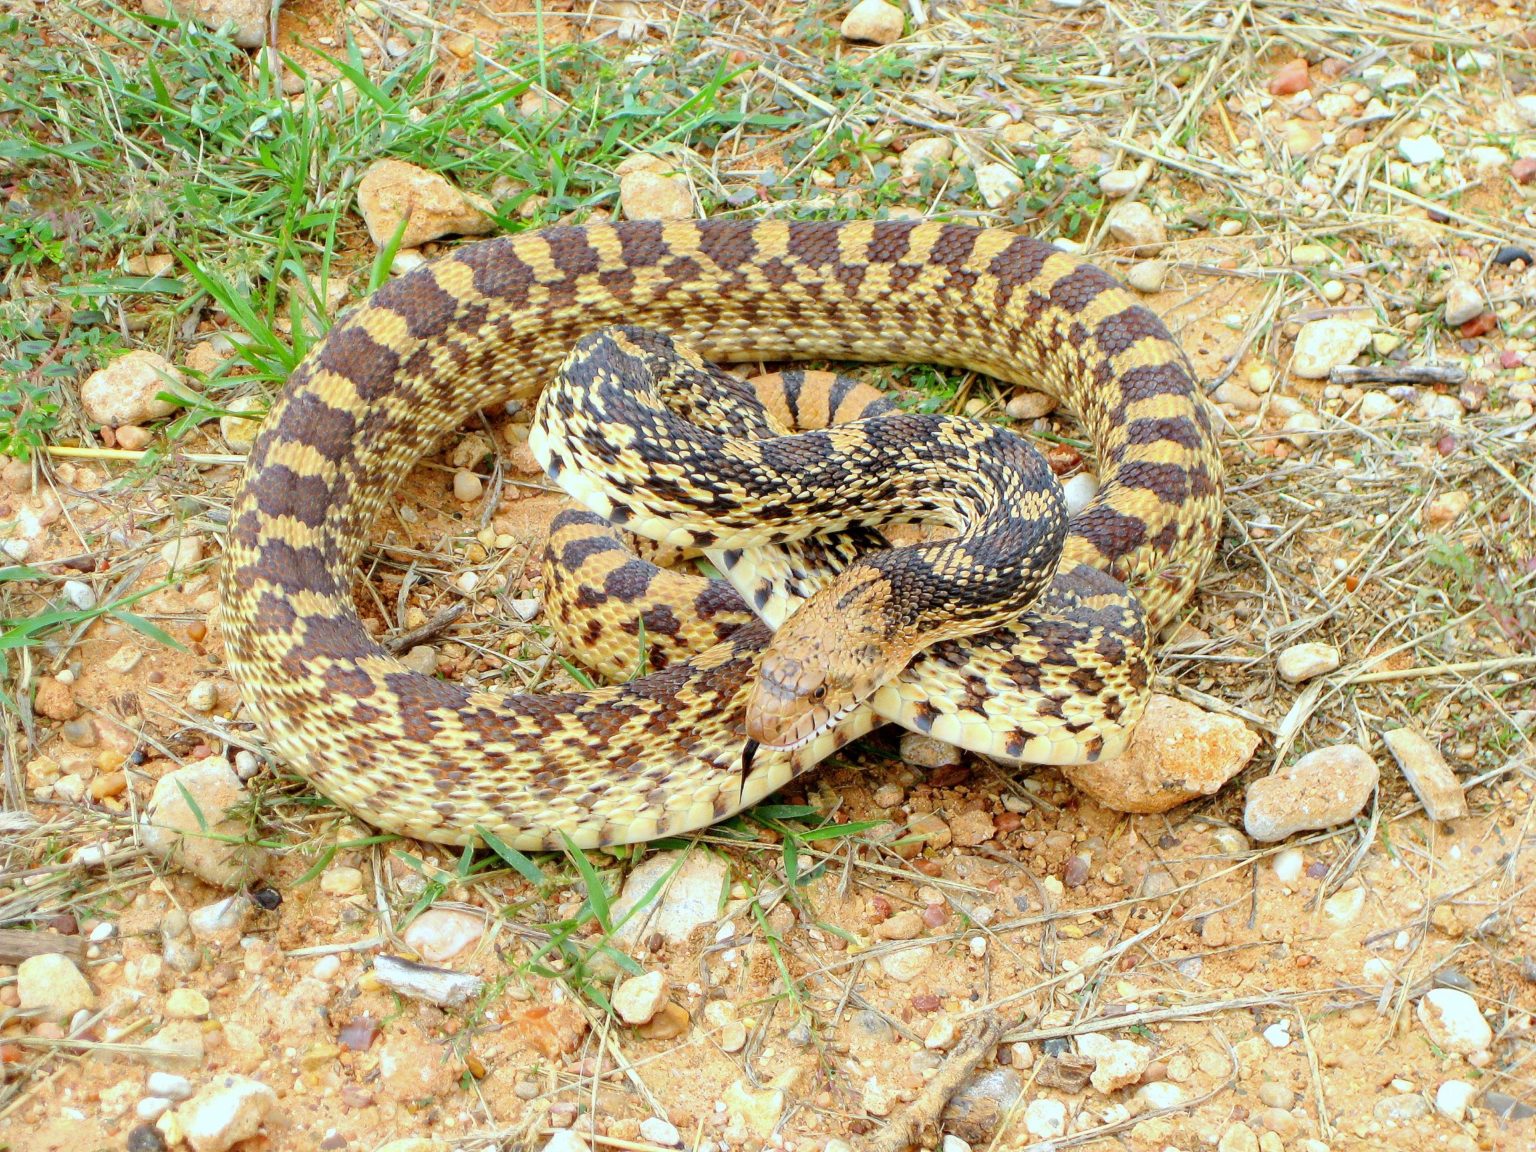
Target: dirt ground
[(1263, 995)]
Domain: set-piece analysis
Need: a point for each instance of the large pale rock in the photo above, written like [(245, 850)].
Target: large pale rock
[(190, 821), (1116, 1063), (652, 188), (440, 934), (392, 191), (52, 986), (690, 899), (1322, 789), (248, 18), (1454, 1021), (229, 1110), (1463, 302), (1303, 661), (752, 1112), (1428, 774), (127, 390), (1324, 345), (1176, 753), (873, 22), (1137, 226)]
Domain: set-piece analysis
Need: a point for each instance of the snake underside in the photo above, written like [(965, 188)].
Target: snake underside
[(661, 754)]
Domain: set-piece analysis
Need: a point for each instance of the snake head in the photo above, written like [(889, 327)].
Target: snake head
[(831, 656)]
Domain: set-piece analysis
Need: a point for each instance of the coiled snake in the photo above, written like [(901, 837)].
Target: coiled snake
[(663, 754)]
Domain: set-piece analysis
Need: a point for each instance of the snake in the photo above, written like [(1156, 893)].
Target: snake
[(663, 754)]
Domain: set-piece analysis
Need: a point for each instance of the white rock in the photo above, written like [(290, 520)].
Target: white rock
[(920, 155), (1343, 908), (203, 696), (182, 553), (1311, 255), (639, 998), (658, 1131), (169, 1085), (1463, 302), (441, 986), (151, 1108), (873, 22), (1303, 661), (1278, 1035), (53, 987), (1326, 344), (126, 391), (1117, 1063), (209, 840), (1147, 276), (1138, 227), (80, 594), (1427, 773), (1160, 1094), (1453, 1021), (1289, 865), (953, 1143), (999, 184), (222, 918), (1421, 150), (1486, 158), (1320, 790), (440, 934), (1121, 182), (1377, 406), (907, 964), (1237, 395), (1045, 1118), (566, 1140), (241, 422), (1438, 406), (1452, 1098), (231, 1109), (467, 487), (690, 899), (1030, 406), (1078, 490), (1525, 108)]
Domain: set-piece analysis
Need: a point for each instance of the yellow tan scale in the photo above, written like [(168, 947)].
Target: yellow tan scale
[(490, 322)]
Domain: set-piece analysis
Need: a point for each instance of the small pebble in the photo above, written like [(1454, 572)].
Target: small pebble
[(638, 999), (467, 487), (1452, 1099), (1121, 182), (1301, 662), (1078, 490), (658, 1131), (203, 696), (873, 22), (80, 594), (1147, 276), (1045, 1118), (1288, 865), (1463, 302), (440, 934)]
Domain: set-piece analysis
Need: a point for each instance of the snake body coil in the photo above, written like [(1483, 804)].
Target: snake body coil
[(491, 322)]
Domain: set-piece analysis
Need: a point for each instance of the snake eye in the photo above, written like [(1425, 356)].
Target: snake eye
[(820, 693)]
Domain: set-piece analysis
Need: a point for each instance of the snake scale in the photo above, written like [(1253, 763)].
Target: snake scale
[(662, 754)]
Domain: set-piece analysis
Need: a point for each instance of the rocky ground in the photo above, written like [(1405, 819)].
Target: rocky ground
[(1327, 942)]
